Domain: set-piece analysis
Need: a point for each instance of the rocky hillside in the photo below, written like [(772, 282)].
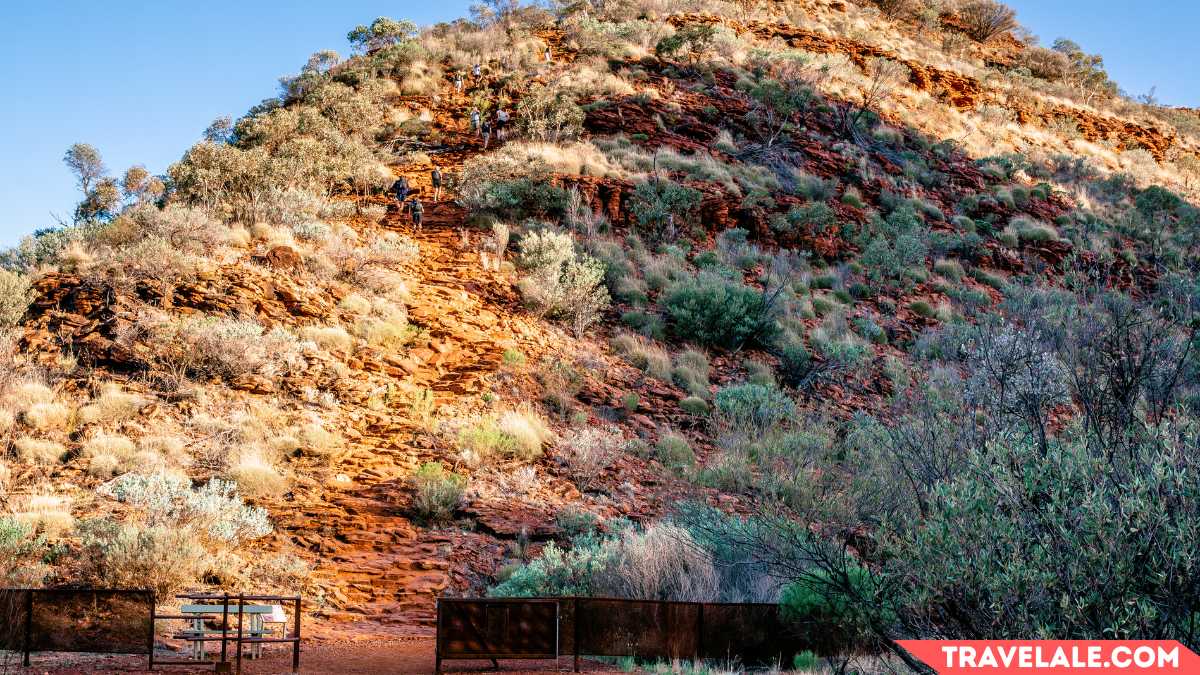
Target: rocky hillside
[(719, 249)]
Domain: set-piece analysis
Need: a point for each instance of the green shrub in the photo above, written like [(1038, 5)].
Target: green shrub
[(823, 281), (673, 450), (822, 305), (829, 605), (630, 401), (922, 309), (751, 407), (951, 269), (694, 405), (691, 372), (795, 364), (14, 297), (561, 283), (649, 325), (574, 521), (870, 330), (132, 555), (728, 472), (661, 205), (714, 311), (815, 217), (437, 493), (20, 553)]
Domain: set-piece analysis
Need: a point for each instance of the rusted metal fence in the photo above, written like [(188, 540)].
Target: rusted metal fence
[(76, 620), (547, 628), (227, 609)]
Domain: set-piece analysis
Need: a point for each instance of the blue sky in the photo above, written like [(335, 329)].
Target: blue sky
[(140, 81), (1144, 44)]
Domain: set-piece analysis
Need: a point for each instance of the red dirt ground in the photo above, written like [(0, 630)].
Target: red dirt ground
[(342, 658)]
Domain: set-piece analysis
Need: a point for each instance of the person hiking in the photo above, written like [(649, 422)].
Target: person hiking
[(435, 177), (475, 121), (487, 134), (477, 71), (401, 189), (458, 82), (501, 123), (549, 58), (417, 211)]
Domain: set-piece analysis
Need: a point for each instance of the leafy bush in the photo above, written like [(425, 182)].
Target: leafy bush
[(214, 510), (132, 555), (674, 450), (561, 282), (548, 115), (694, 405), (219, 346), (662, 562), (663, 207), (714, 311), (15, 297), (751, 407), (20, 549), (437, 493), (829, 606), (816, 217)]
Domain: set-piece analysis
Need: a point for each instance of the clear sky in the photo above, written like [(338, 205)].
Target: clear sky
[(1144, 44), (140, 81)]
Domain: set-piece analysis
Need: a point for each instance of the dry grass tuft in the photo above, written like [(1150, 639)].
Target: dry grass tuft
[(112, 405), (47, 514), (256, 476), (37, 451)]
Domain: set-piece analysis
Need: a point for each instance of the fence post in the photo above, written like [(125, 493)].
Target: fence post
[(575, 629), (150, 638), (241, 605), (27, 642), (296, 645), (224, 627), (437, 641)]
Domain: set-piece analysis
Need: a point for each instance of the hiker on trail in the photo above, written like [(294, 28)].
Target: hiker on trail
[(487, 134), (549, 58), (401, 190), (458, 82), (435, 177), (501, 123), (475, 121), (477, 71), (417, 210)]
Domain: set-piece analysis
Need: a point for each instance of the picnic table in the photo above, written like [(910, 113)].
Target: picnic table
[(257, 618)]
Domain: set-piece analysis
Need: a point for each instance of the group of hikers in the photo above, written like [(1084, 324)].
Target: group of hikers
[(407, 199), (485, 127)]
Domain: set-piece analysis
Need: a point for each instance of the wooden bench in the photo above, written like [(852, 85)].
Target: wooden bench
[(254, 626)]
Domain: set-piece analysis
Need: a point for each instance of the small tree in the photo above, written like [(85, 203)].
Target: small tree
[(101, 195), (549, 115), (383, 32), (85, 162), (775, 102), (693, 40), (985, 19)]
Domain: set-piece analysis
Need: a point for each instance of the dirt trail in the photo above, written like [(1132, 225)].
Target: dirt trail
[(380, 572)]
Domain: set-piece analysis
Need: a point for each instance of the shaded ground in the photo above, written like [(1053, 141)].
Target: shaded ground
[(343, 658)]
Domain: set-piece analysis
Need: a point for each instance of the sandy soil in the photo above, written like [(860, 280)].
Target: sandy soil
[(344, 658)]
